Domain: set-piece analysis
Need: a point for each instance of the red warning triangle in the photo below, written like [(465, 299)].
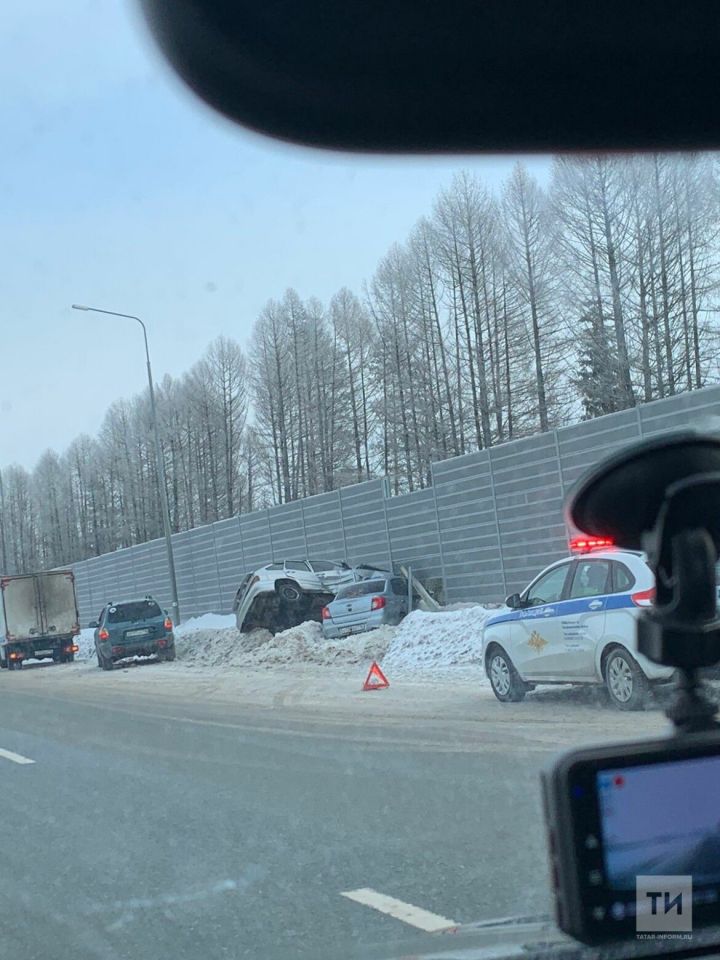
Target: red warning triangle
[(376, 679)]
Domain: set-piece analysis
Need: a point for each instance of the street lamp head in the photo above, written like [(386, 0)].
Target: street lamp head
[(80, 306)]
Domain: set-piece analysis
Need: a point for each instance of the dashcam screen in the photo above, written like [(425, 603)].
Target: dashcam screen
[(661, 819)]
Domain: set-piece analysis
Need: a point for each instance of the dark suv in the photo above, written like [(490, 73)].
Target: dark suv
[(133, 628)]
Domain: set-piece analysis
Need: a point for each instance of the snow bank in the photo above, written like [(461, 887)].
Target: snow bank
[(208, 621), (302, 644), (422, 643), (443, 639), (86, 643)]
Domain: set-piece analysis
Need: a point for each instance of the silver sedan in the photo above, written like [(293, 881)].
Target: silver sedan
[(365, 605)]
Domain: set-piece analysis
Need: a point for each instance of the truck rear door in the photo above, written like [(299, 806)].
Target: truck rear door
[(58, 608), (22, 609)]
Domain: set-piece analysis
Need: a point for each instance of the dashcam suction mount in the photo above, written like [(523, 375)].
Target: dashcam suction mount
[(662, 496)]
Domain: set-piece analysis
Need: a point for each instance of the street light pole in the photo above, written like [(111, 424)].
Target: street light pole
[(165, 506)]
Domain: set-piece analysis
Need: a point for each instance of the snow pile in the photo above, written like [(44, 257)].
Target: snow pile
[(208, 621), (423, 642), (303, 644), (86, 644), (429, 640)]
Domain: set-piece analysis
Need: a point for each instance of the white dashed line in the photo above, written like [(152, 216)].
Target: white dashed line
[(15, 757), (415, 916)]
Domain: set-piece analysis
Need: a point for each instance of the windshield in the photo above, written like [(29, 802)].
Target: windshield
[(128, 612), (403, 362)]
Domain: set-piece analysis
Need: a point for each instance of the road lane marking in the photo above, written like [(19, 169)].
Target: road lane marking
[(414, 916), (15, 757)]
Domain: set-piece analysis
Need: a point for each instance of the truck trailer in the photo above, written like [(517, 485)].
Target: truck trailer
[(38, 618)]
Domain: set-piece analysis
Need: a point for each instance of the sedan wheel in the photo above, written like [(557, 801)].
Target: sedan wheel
[(626, 683), (504, 678), (500, 676), (620, 679)]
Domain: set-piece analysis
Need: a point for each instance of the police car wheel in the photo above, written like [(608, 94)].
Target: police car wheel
[(625, 681), (504, 678)]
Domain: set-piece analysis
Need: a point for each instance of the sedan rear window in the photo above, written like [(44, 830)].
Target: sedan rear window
[(624, 580), (362, 589), (129, 612)]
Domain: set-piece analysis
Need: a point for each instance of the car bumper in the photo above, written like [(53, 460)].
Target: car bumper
[(145, 648), (654, 671), (333, 629)]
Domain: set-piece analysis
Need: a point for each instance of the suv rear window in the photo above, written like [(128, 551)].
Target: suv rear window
[(129, 612), (362, 589)]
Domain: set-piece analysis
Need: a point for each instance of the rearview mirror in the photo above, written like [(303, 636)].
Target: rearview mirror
[(93, 625), (514, 601)]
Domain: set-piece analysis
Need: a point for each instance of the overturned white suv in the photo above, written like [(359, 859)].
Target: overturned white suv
[(286, 593)]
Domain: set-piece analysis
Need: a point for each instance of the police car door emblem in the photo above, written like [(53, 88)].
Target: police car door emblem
[(536, 641)]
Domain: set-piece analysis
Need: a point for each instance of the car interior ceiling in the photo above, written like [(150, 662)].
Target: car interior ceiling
[(408, 76)]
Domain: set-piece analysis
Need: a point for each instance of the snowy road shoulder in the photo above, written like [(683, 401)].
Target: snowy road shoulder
[(424, 644)]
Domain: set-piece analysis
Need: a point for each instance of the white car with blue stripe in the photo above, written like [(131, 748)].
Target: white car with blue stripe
[(575, 623)]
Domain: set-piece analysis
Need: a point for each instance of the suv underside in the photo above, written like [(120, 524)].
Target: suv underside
[(284, 607)]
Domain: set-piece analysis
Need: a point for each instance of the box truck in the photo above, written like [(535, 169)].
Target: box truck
[(38, 618)]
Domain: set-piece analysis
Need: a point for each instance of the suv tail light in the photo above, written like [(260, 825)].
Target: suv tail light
[(168, 623), (103, 634), (377, 603), (325, 613), (643, 598)]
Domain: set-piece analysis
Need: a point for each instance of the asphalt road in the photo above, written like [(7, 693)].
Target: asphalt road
[(155, 824)]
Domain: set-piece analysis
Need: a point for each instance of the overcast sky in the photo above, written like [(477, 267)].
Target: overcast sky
[(121, 190)]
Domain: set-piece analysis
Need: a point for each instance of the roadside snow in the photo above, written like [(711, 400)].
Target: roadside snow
[(420, 646), (302, 644), (86, 644), (208, 621), (428, 640)]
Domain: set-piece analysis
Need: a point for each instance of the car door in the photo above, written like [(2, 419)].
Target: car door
[(536, 635), (583, 617)]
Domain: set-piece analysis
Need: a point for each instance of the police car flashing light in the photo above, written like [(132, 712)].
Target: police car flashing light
[(586, 544), (575, 623)]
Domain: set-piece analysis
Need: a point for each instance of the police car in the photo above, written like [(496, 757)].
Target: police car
[(575, 623)]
